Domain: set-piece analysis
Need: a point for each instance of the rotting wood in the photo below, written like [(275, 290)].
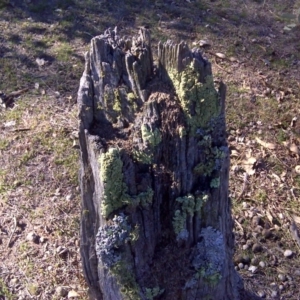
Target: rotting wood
[(156, 216)]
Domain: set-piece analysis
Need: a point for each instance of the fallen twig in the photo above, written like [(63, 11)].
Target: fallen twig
[(13, 232)]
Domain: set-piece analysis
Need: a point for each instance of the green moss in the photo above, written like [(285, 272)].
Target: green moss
[(153, 138), (115, 190), (199, 101)]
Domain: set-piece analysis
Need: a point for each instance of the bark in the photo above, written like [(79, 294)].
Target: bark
[(156, 216)]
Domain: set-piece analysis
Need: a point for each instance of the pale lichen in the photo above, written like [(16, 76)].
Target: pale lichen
[(213, 158), (151, 293), (215, 182), (110, 243), (132, 100), (142, 157), (189, 206), (199, 101), (115, 190), (117, 101), (145, 198), (149, 136), (210, 256)]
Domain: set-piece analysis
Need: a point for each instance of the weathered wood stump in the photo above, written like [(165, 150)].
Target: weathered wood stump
[(156, 217)]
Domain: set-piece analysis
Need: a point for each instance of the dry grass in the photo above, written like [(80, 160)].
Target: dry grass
[(38, 151)]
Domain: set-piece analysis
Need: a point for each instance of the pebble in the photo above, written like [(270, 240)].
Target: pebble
[(273, 285), (257, 221), (43, 239), (61, 291), (274, 294), (281, 287), (297, 272), (69, 197), (281, 277), (288, 253), (250, 214), (245, 247), (257, 248), (246, 260), (261, 294), (252, 269), (254, 261), (249, 243), (245, 205), (258, 228), (241, 266), (14, 281), (267, 233), (32, 237), (262, 264)]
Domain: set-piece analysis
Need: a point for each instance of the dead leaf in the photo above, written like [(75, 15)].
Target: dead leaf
[(40, 61), (204, 43), (220, 55), (293, 148), (233, 59), (234, 153), (269, 146), (286, 144), (248, 165), (276, 177), (269, 216), (72, 294), (296, 219)]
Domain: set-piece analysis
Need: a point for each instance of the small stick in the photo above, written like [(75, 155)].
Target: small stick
[(244, 186), (12, 233)]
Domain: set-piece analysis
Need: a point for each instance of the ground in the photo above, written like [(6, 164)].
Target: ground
[(254, 48)]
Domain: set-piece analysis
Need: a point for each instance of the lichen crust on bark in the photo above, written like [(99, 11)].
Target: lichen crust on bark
[(115, 190)]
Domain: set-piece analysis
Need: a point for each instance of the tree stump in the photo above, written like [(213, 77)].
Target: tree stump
[(156, 217)]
